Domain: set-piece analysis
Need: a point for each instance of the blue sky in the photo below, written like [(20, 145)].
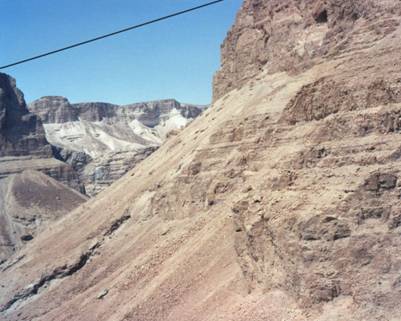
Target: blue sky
[(172, 59)]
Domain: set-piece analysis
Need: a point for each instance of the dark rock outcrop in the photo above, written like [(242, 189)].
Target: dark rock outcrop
[(21, 132)]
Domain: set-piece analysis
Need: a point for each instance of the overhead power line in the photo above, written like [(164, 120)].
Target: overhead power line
[(179, 13)]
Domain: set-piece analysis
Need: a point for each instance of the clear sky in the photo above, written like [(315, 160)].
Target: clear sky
[(172, 59)]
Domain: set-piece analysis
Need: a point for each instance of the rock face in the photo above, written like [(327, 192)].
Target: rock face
[(286, 190), (292, 36), (103, 141), (23, 143), (21, 132), (56, 169), (28, 202)]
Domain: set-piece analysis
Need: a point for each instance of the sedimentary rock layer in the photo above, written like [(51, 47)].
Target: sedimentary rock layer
[(103, 141), (23, 144), (291, 36), (21, 132), (281, 202)]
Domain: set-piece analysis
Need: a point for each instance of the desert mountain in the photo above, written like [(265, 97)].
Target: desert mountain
[(28, 199), (103, 141), (28, 202), (23, 143), (280, 202)]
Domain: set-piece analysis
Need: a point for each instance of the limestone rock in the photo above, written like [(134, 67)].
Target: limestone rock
[(103, 141)]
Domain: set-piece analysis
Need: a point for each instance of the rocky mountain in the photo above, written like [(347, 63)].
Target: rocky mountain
[(23, 143), (280, 202), (29, 201), (103, 141), (21, 132)]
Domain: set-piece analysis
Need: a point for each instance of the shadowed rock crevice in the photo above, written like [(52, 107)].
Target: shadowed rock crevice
[(117, 224), (322, 16)]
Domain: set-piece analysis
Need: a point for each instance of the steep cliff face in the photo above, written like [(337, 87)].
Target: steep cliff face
[(54, 110), (21, 133), (23, 144), (103, 141), (28, 199), (285, 191), (291, 36)]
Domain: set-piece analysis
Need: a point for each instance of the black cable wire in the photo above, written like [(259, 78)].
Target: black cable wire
[(112, 34)]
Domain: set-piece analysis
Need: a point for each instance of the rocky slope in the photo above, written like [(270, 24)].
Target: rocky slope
[(28, 202), (103, 141), (286, 190)]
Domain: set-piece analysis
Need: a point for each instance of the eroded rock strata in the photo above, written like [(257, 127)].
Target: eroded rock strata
[(292, 36), (281, 202), (103, 141), (23, 143)]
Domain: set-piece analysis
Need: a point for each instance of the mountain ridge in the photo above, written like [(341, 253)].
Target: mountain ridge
[(102, 141)]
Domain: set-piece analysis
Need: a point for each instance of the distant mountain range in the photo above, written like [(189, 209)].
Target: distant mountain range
[(103, 141)]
